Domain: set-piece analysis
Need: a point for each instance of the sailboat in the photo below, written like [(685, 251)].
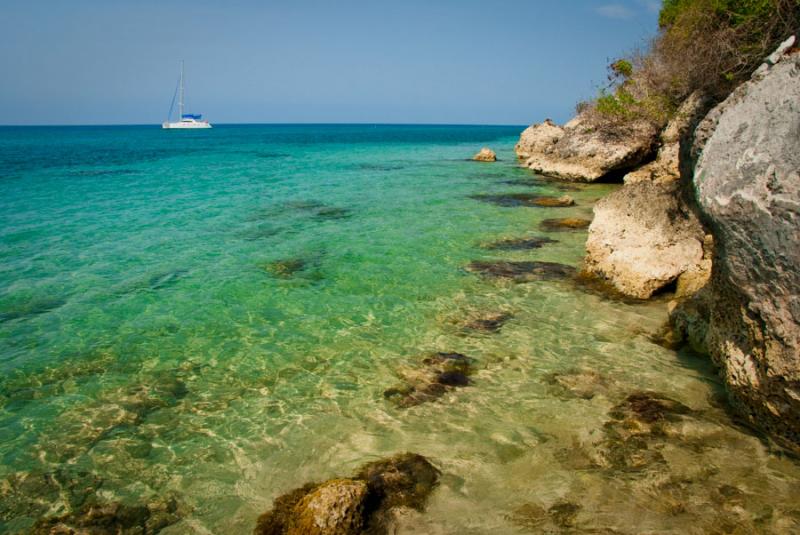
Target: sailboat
[(187, 120)]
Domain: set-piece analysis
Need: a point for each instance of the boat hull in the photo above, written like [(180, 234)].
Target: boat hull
[(186, 125)]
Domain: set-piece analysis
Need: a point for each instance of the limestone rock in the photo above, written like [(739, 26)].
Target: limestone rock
[(642, 238), (585, 151), (665, 167), (334, 508), (485, 155), (538, 138), (746, 175)]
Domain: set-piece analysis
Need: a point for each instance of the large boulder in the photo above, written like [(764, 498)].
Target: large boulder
[(586, 150), (644, 237), (665, 168), (746, 175)]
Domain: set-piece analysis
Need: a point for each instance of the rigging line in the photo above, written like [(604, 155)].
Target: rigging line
[(172, 104)]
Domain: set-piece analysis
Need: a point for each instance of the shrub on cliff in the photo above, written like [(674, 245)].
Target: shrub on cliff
[(709, 46)]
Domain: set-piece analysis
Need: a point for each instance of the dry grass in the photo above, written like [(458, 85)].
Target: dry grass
[(709, 46)]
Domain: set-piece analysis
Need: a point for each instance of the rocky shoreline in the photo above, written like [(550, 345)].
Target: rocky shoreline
[(707, 216), (708, 212)]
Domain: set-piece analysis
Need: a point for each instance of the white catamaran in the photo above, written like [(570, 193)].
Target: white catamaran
[(187, 120)]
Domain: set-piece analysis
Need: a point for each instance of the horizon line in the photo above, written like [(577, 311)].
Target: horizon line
[(73, 125)]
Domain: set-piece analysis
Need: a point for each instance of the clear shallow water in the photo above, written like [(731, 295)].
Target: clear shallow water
[(147, 349)]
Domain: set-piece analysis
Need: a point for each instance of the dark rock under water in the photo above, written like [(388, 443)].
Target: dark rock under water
[(30, 308), (286, 267), (488, 323), (440, 372), (526, 271), (566, 223), (100, 518), (518, 244), (524, 199)]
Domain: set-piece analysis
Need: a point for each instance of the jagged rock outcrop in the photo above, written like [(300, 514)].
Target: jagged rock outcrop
[(485, 155), (583, 150), (665, 168), (644, 237), (746, 175)]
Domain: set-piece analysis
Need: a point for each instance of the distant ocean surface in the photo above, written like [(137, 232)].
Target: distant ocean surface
[(215, 315)]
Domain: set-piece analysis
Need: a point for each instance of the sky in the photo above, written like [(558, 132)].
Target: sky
[(311, 61)]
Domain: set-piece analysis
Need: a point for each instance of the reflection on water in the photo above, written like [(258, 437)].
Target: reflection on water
[(233, 324)]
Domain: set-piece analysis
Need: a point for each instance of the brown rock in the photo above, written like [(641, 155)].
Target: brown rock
[(485, 155), (566, 223), (334, 508)]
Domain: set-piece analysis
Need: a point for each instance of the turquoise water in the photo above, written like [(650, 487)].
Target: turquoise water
[(149, 345)]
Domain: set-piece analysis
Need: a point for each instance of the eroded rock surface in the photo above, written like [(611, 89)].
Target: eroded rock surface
[(666, 168), (747, 154), (643, 237), (584, 151)]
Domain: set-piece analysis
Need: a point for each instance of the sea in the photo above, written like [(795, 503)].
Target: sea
[(215, 317)]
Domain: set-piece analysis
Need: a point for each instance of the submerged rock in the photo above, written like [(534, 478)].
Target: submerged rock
[(746, 156), (518, 244), (361, 504), (524, 199), (114, 518), (521, 271), (560, 516), (285, 268), (584, 384), (485, 155), (21, 309), (636, 430), (327, 213), (316, 209), (566, 223), (585, 150), (441, 373), (643, 238), (688, 322), (34, 494), (488, 323)]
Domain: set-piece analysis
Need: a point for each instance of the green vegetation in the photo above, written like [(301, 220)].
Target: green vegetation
[(708, 46)]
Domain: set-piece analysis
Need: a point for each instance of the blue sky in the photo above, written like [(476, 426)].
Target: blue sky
[(373, 61)]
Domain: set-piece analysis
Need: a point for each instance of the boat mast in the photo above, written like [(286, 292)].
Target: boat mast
[(180, 102)]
